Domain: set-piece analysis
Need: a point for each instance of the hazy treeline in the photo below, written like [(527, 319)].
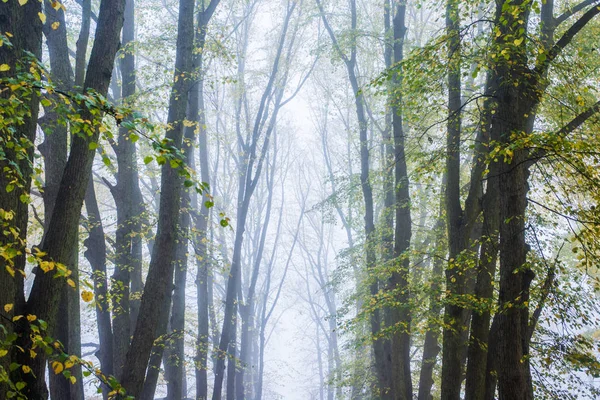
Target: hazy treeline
[(299, 199)]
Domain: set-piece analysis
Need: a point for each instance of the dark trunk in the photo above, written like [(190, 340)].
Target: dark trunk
[(160, 273), (431, 346), (398, 282), (63, 227), (484, 289), (54, 150), (129, 203), (455, 318), (96, 256), (156, 355)]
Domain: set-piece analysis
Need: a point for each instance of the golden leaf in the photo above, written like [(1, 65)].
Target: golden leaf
[(26, 369), (87, 296), (4, 67), (8, 307), (42, 17), (57, 367), (46, 266)]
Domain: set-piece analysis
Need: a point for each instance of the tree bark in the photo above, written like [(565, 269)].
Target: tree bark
[(63, 227), (160, 273)]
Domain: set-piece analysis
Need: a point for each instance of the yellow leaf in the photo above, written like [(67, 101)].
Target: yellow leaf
[(10, 270), (32, 353), (26, 369), (8, 307), (58, 367), (518, 41), (57, 5), (55, 25), (22, 2), (46, 266), (72, 379), (69, 364), (87, 296), (42, 17), (4, 67), (3, 352), (17, 317), (71, 282), (31, 317)]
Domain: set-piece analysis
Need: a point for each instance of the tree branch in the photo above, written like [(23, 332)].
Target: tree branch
[(569, 13), (566, 38)]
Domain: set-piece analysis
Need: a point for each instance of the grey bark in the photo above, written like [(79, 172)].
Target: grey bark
[(160, 273)]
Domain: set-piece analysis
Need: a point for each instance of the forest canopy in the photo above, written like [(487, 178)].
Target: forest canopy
[(299, 199)]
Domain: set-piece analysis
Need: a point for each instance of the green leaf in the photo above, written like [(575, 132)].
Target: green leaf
[(209, 204), (224, 223), (148, 159), (188, 183), (106, 161), (93, 146)]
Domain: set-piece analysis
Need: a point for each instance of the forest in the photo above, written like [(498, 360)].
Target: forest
[(299, 199)]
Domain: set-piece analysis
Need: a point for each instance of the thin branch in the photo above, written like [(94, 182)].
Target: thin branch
[(569, 13)]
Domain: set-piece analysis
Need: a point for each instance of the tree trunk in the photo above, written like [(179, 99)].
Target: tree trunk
[(129, 203), (398, 282), (160, 273), (63, 227), (96, 256)]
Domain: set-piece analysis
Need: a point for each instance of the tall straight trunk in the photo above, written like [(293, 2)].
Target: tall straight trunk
[(96, 256), (398, 282), (54, 150), (82, 42), (157, 352), (95, 242), (232, 357), (387, 214), (128, 200), (63, 227), (26, 33), (160, 273), (475, 385), (514, 106), (203, 265), (174, 348), (196, 112), (455, 319), (431, 347)]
